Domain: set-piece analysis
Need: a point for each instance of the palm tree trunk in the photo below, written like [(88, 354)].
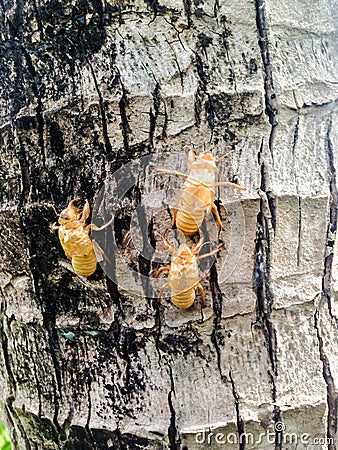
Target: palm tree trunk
[(93, 87)]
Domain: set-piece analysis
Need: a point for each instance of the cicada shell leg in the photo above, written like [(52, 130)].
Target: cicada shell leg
[(228, 183), (172, 172), (202, 294), (217, 216), (160, 270), (174, 216), (161, 291), (96, 228)]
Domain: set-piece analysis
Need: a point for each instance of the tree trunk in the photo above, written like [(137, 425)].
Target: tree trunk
[(90, 87)]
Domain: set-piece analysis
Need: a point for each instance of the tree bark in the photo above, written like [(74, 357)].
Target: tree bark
[(90, 86)]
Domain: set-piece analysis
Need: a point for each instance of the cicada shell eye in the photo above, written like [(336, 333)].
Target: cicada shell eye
[(71, 212)]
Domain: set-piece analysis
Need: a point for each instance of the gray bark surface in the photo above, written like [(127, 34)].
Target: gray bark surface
[(87, 87)]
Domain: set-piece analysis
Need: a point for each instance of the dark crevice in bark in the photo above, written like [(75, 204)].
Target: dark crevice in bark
[(272, 209), (179, 71), (198, 104), (200, 70), (25, 174), (36, 372), (158, 328), (262, 278), (89, 398), (262, 271), (277, 420), (165, 122), (153, 116), (11, 385), (174, 439), (156, 7), (187, 8), (217, 302), (295, 136), (299, 230), (216, 7), (332, 226), (147, 233), (271, 108), (200, 95), (126, 337), (107, 144), (39, 107), (332, 394), (120, 439), (240, 421), (38, 20), (210, 112)]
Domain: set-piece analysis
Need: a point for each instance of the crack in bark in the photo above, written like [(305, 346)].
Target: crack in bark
[(120, 439), (240, 422), (89, 398), (153, 116), (332, 226), (295, 136), (36, 378), (39, 107), (107, 144), (217, 302), (187, 9), (25, 172), (271, 106), (299, 230), (332, 394), (165, 122), (173, 436), (262, 274), (262, 280)]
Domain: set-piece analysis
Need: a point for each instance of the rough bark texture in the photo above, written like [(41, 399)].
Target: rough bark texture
[(87, 86)]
